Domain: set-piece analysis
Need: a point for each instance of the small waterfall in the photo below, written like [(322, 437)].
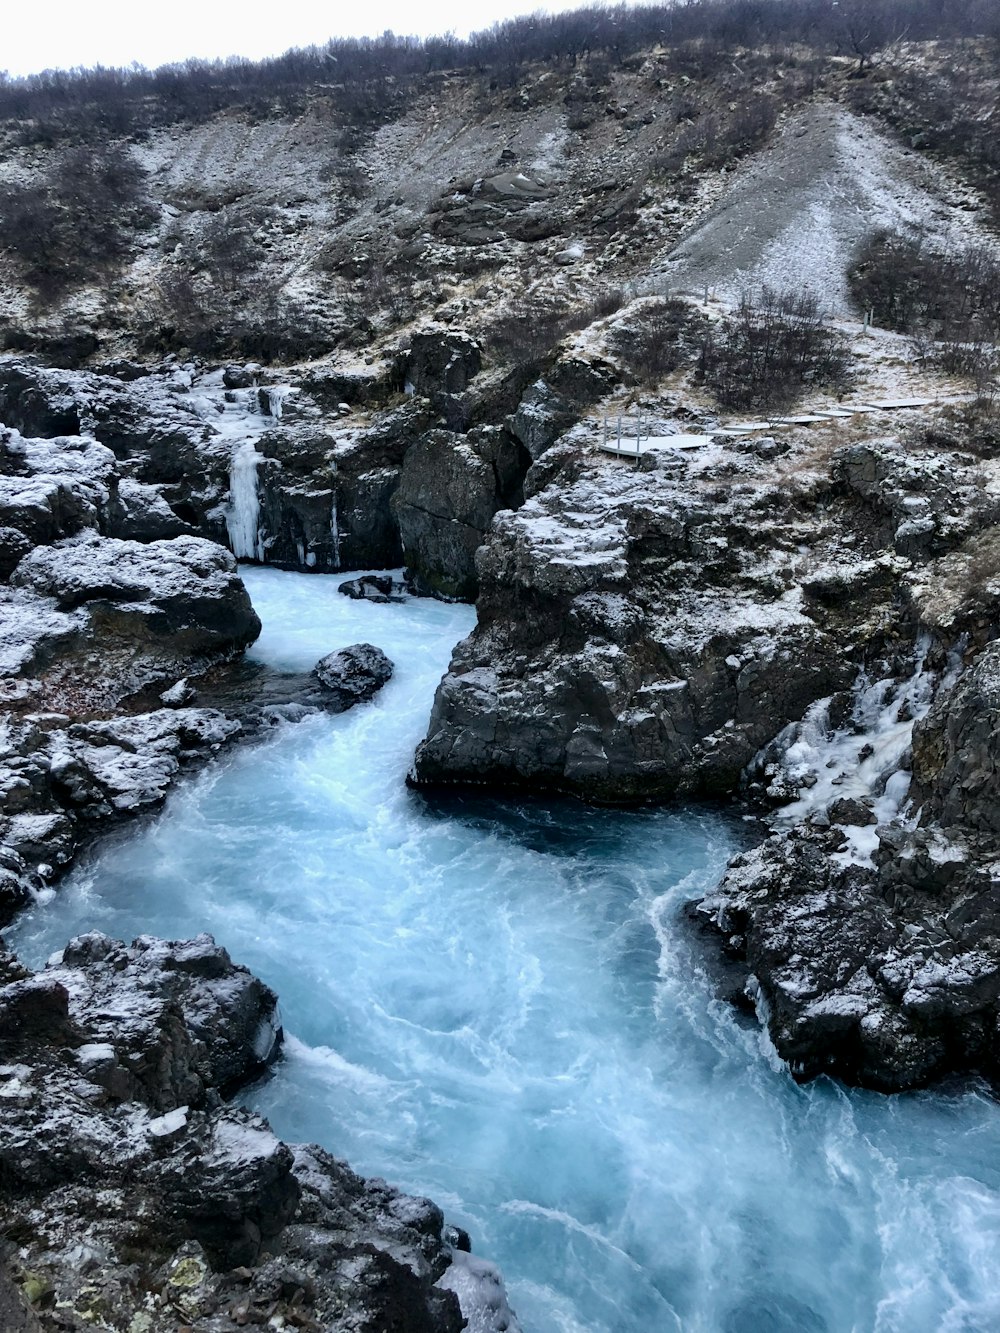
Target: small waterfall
[(276, 400), (243, 514)]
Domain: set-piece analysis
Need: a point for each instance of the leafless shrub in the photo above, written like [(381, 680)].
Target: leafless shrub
[(529, 330), (232, 249), (662, 335), (911, 287), (78, 221), (949, 303), (770, 350)]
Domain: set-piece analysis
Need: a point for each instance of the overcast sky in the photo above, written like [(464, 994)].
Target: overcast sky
[(61, 34)]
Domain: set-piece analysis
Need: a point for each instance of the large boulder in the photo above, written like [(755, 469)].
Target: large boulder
[(50, 489), (353, 675), (88, 621), (183, 595), (883, 971), (140, 512), (623, 650), (38, 401), (550, 406), (442, 361)]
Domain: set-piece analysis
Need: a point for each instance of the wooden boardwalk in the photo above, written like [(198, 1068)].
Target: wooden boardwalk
[(624, 436)]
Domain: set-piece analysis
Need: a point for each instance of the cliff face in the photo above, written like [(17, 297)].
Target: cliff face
[(640, 635), (644, 633)]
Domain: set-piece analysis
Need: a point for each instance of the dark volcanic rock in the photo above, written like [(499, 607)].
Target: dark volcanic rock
[(61, 781), (353, 675), (325, 503), (875, 943), (137, 1197), (230, 1029), (442, 361), (551, 405), (37, 401), (624, 650), (450, 487), (956, 751), (139, 512), (887, 974), (151, 610)]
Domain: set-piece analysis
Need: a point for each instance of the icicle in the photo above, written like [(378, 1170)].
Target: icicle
[(243, 515), (866, 760), (335, 533)]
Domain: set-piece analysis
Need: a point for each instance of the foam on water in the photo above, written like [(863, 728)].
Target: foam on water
[(499, 1005)]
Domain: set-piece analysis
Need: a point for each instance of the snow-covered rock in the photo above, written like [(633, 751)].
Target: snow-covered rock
[(610, 615), (171, 600)]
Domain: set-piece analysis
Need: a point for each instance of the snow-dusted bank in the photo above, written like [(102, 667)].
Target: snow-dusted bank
[(503, 1006)]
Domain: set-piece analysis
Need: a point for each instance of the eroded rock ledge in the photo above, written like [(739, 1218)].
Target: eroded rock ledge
[(133, 1197)]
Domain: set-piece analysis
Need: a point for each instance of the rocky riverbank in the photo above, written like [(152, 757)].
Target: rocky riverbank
[(801, 627), (644, 633), (806, 624), (130, 1193), (133, 1197)]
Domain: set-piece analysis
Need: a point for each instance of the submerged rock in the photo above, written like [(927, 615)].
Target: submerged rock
[(374, 588), (353, 675), (114, 1060)]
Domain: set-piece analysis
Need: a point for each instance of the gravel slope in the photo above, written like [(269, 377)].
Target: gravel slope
[(794, 214)]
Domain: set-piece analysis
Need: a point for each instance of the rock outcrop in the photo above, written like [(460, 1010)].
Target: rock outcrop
[(642, 635), (92, 619), (450, 487), (134, 1197), (869, 929), (63, 781), (89, 621)]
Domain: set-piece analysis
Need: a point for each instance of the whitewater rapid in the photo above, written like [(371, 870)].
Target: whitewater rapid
[(500, 1005)]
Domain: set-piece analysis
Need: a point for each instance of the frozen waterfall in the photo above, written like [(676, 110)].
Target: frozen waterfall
[(243, 513)]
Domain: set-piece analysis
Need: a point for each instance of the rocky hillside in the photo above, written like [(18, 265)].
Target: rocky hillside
[(319, 220)]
